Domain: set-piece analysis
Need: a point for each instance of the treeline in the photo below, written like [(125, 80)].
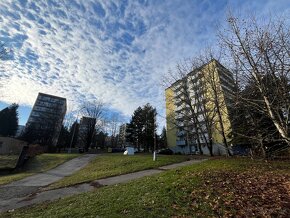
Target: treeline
[(102, 132), (98, 129)]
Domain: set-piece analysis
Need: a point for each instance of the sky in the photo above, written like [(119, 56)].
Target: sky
[(112, 51)]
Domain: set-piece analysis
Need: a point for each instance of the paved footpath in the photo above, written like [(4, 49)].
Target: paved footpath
[(51, 176), (31, 184), (26, 199)]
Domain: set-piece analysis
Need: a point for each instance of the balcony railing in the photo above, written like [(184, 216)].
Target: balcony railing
[(181, 133), (180, 142)]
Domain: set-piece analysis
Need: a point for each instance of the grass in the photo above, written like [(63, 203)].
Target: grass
[(37, 164), (8, 161), (116, 164), (208, 189)]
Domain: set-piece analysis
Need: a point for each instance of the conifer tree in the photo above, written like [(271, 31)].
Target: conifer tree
[(9, 120)]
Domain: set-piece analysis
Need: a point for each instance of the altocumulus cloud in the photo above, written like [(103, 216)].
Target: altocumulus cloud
[(116, 51)]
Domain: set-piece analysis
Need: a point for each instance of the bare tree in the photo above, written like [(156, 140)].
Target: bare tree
[(253, 127), (113, 122), (71, 115), (261, 53)]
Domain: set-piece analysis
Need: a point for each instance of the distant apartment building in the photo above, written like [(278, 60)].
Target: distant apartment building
[(45, 120), (86, 130), (122, 135), (194, 94)]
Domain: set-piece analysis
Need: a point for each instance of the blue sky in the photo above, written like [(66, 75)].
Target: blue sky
[(114, 51)]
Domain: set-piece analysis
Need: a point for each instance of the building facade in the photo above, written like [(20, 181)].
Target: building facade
[(122, 135), (198, 110), (45, 120), (86, 131)]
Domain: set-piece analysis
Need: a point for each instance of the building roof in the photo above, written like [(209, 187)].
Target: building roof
[(87, 119), (52, 96), (196, 70)]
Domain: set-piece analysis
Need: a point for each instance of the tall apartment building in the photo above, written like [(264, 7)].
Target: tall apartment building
[(191, 105), (122, 135), (86, 130), (45, 120)]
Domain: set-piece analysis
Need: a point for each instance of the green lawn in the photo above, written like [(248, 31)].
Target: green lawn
[(8, 161), (215, 188), (38, 164), (116, 164)]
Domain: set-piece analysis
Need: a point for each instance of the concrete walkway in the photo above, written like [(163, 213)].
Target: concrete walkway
[(32, 184), (50, 195), (51, 176)]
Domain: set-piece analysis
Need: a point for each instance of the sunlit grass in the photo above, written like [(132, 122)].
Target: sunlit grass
[(8, 161), (169, 194), (116, 164)]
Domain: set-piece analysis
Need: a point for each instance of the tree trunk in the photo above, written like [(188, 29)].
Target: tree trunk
[(199, 145), (223, 131), (210, 147), (188, 144), (280, 128)]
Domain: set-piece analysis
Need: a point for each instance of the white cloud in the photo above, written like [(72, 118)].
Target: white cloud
[(109, 50)]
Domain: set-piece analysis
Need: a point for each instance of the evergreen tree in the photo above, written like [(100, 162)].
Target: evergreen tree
[(74, 130), (101, 139), (63, 139), (9, 120), (163, 139), (149, 114), (134, 128), (142, 127)]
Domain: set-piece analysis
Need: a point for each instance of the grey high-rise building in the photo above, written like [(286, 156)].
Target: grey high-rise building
[(122, 135), (45, 120), (86, 130)]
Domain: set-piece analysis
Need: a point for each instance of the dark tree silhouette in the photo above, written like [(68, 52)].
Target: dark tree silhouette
[(9, 120), (63, 139), (163, 139), (100, 139), (74, 132), (142, 127)]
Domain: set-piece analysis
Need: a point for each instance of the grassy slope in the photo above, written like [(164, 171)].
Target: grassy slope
[(38, 164), (185, 192), (8, 161), (116, 164)]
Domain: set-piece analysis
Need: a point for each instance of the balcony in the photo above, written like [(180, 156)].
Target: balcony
[(179, 116), (180, 142), (180, 133), (180, 124)]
